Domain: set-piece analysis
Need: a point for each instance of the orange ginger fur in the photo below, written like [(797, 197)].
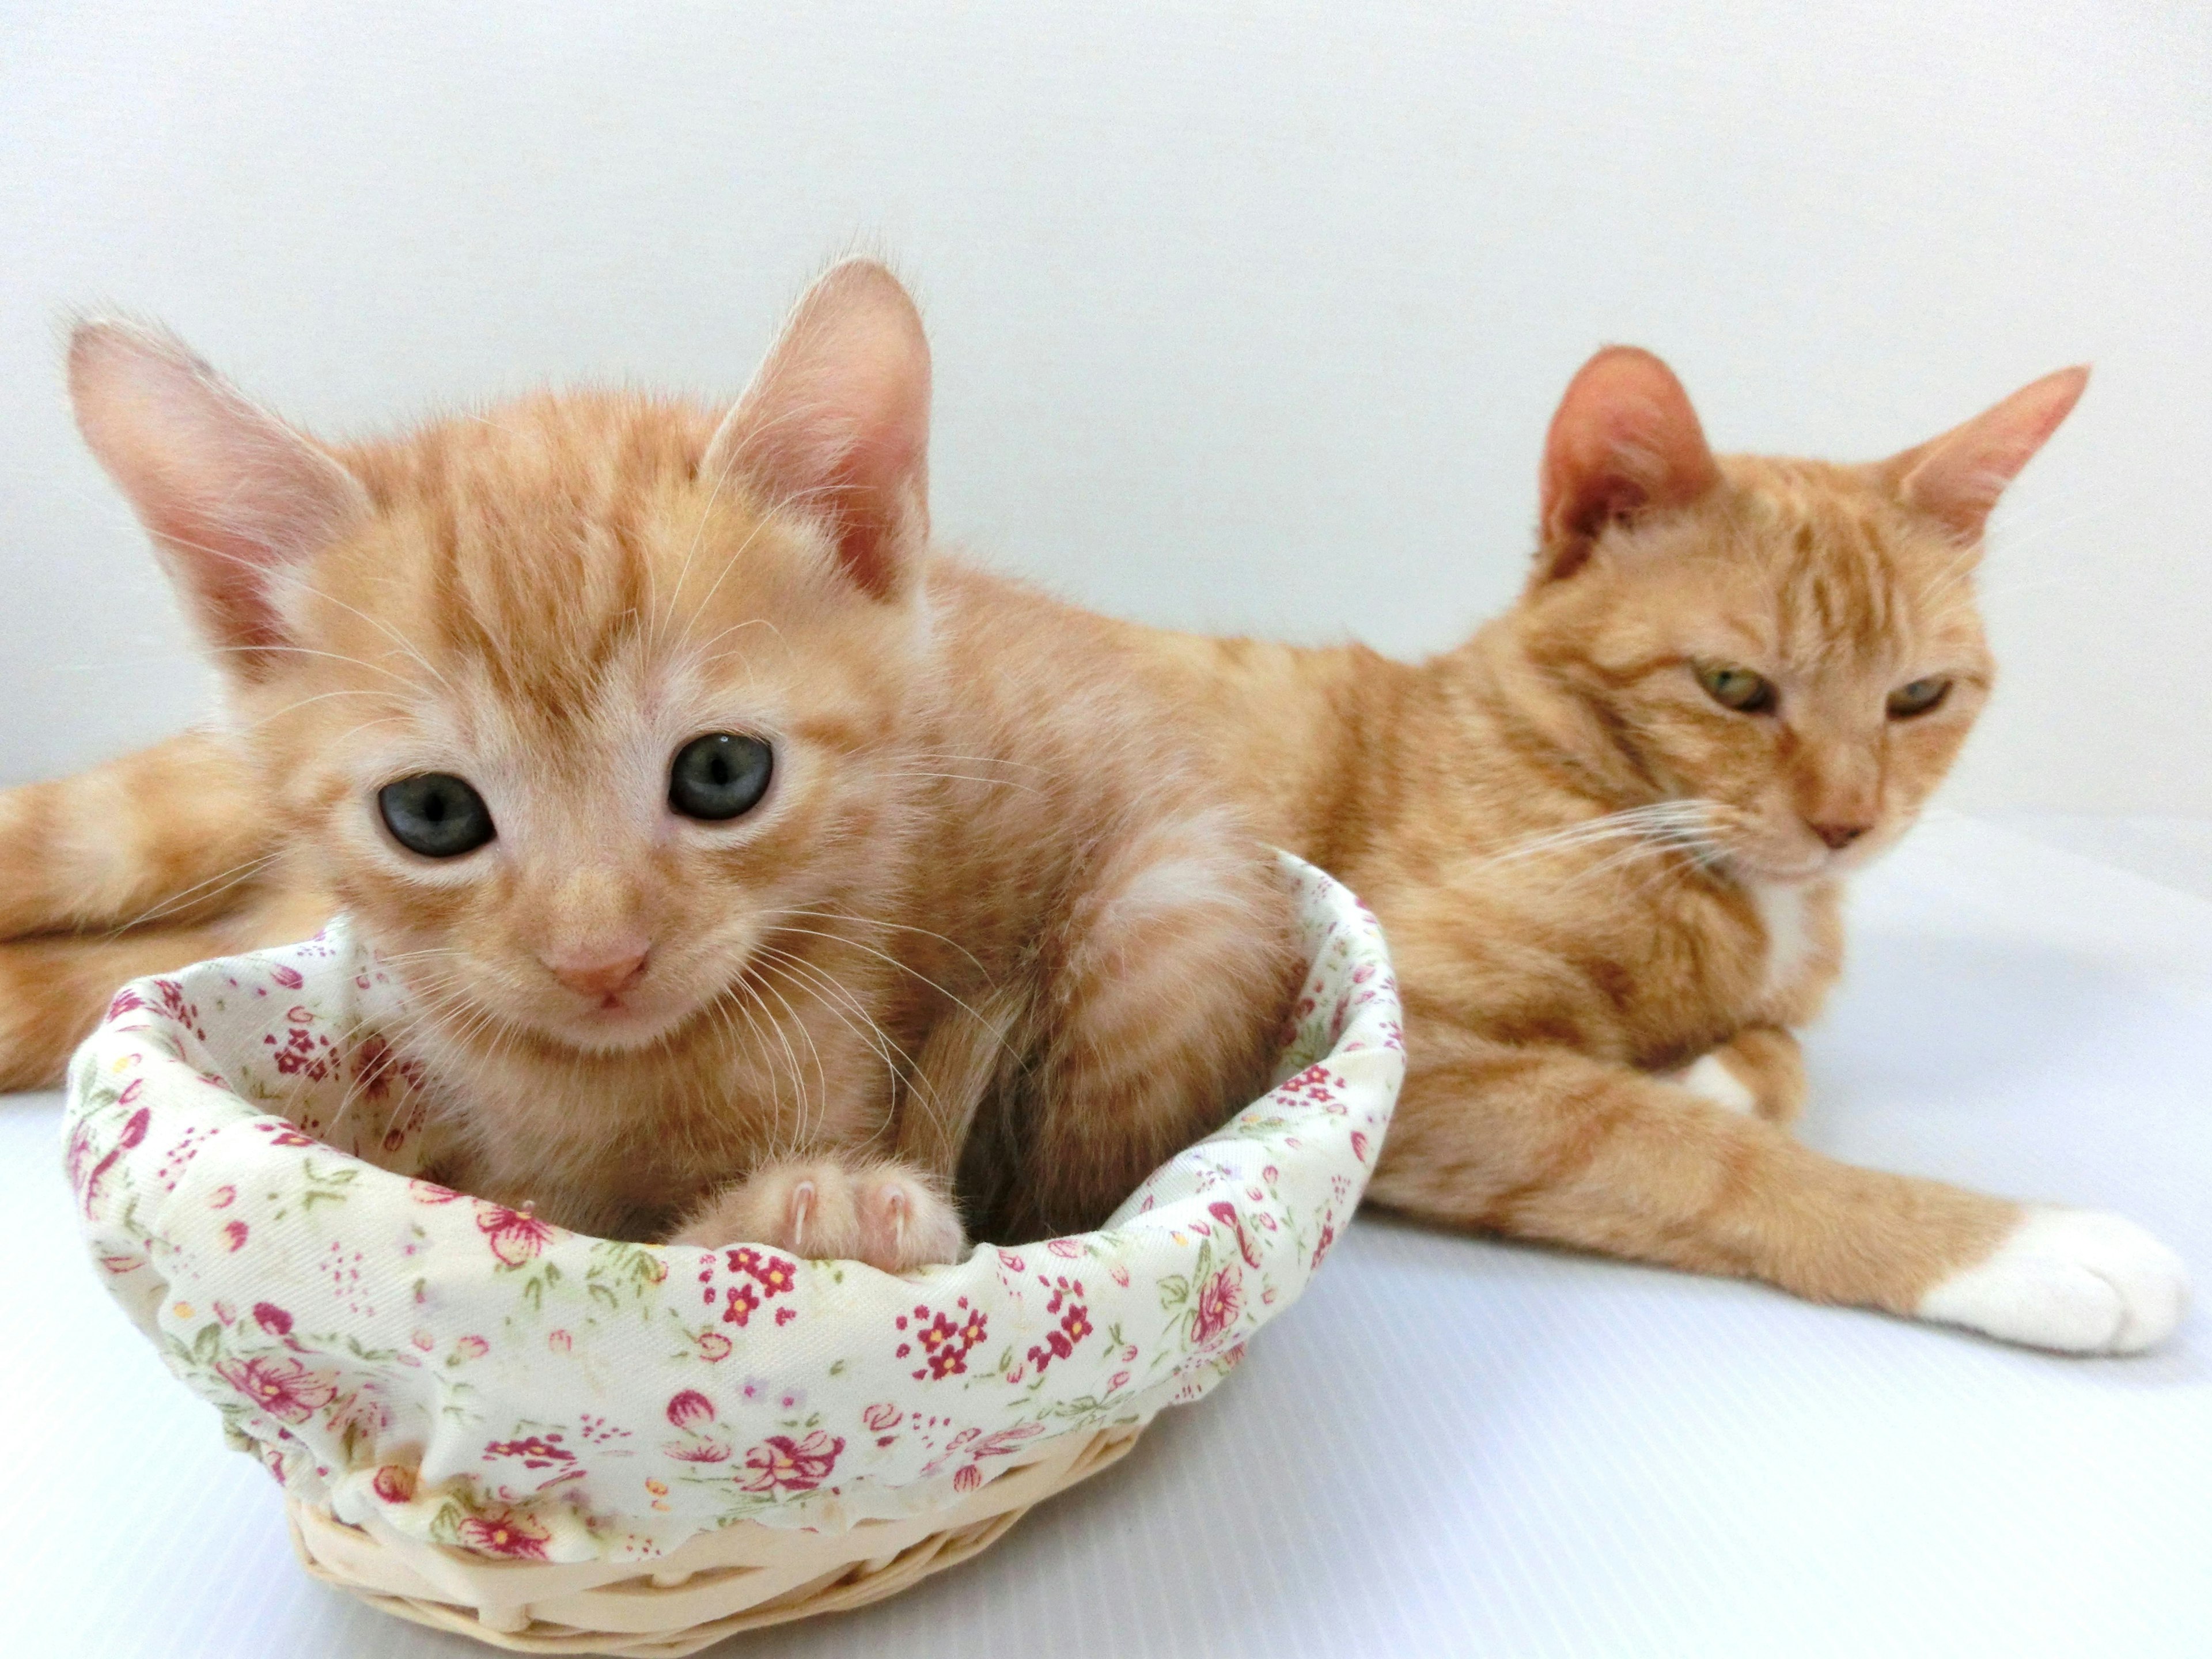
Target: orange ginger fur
[(986, 909), (1610, 897)]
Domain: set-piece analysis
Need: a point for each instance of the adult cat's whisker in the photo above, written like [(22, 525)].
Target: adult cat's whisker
[(1634, 853), (1635, 821)]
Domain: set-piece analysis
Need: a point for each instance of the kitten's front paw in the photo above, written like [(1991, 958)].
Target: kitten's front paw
[(883, 1214), (2078, 1280), (905, 1222)]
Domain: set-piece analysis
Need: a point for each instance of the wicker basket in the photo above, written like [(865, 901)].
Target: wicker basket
[(563, 1444), (740, 1579)]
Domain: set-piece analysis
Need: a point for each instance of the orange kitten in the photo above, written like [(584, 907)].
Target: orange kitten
[(1607, 838), (721, 832)]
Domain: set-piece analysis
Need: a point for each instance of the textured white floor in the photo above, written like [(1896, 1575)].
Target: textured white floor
[(1456, 1447)]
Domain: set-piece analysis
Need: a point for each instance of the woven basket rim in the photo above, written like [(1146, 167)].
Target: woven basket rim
[(155, 1224)]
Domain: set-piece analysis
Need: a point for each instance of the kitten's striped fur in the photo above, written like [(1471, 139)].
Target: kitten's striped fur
[(985, 891)]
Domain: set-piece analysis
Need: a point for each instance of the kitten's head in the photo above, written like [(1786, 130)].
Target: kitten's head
[(579, 700), (1796, 643)]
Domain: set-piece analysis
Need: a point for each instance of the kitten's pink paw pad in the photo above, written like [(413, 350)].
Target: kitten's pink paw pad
[(2078, 1280), (904, 1223), (886, 1216)]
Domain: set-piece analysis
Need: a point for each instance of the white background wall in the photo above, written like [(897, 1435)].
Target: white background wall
[(1247, 317)]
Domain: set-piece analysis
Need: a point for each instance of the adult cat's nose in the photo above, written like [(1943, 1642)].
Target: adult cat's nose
[(1839, 836), (598, 973)]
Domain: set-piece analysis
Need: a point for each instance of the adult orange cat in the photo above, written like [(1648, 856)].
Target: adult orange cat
[(1606, 837), (742, 857)]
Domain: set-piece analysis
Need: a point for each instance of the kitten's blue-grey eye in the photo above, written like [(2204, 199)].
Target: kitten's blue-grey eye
[(435, 814), (720, 775)]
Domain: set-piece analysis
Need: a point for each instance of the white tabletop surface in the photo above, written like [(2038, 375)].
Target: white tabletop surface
[(1453, 1446)]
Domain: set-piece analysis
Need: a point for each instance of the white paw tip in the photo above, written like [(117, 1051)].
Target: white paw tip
[(2080, 1281)]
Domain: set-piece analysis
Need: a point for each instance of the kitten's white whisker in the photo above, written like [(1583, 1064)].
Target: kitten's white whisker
[(903, 968), (824, 986), (964, 777), (821, 1072), (898, 926), (237, 875), (298, 582)]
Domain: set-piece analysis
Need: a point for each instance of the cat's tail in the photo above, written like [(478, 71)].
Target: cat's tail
[(167, 836)]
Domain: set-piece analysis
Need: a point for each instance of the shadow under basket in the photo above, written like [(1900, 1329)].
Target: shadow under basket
[(743, 1577)]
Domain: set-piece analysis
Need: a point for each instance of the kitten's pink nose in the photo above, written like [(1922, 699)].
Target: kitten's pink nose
[(597, 973), (1841, 836)]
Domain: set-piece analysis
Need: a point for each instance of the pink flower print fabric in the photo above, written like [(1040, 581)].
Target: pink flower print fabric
[(245, 1147)]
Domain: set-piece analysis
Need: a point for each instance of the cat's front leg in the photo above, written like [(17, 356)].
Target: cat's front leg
[(1549, 1144), (887, 1214), (1760, 1071)]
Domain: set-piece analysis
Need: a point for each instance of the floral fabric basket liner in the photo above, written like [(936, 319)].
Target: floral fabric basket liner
[(242, 1146)]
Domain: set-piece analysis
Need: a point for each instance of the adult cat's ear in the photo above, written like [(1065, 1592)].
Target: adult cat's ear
[(837, 422), (231, 495), (1957, 478), (1624, 441)]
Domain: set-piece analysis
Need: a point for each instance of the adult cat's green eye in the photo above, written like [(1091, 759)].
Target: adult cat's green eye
[(720, 775), (1916, 697), (435, 814), (1738, 688)]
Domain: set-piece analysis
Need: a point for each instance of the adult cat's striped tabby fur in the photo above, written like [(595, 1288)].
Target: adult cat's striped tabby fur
[(1605, 837)]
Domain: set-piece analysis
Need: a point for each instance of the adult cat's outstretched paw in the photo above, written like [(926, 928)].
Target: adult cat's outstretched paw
[(884, 1214), (2078, 1280)]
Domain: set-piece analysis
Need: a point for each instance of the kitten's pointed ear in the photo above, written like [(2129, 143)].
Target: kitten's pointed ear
[(1624, 441), (837, 421), (230, 495), (1957, 478)]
